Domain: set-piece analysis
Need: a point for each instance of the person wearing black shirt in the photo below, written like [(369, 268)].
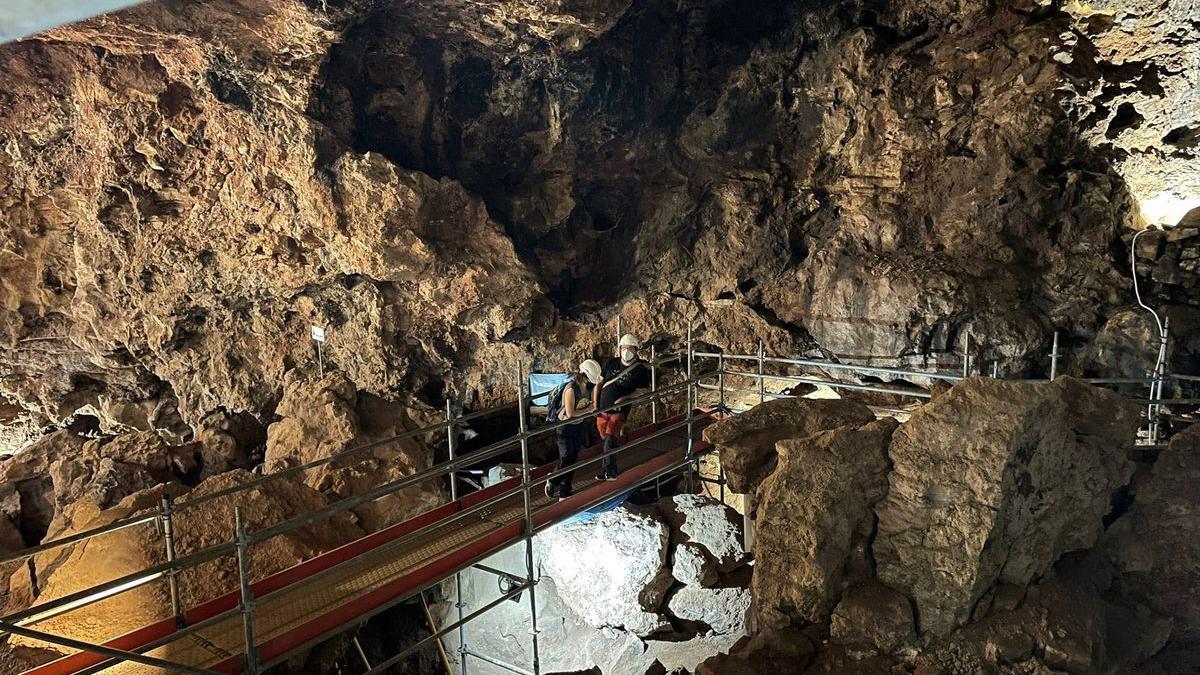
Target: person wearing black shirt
[(571, 438), (622, 378)]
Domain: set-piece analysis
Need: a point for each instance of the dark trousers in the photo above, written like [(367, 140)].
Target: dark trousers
[(610, 462), (571, 439)]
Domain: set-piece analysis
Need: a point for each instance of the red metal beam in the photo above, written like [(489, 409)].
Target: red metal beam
[(429, 573)]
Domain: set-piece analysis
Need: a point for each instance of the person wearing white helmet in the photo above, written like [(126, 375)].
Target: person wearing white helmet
[(622, 378), (571, 399)]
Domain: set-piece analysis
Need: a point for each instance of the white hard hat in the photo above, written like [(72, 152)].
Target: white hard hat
[(592, 369), (627, 340)]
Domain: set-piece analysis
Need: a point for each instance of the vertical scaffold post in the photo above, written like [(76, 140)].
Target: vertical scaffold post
[(523, 425), (721, 382), (967, 355), (247, 604), (166, 512), (1054, 357), (1156, 384), (653, 385), (762, 391), (458, 599), (618, 334), (691, 405)]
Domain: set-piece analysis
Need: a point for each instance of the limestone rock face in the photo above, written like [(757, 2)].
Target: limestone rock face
[(1156, 545), (813, 513), (992, 482), (189, 186), (873, 614), (610, 569), (708, 523), (767, 651), (324, 417), (746, 442)]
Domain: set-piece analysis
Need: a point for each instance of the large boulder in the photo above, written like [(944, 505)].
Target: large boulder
[(746, 442), (708, 523), (814, 512), (327, 416), (610, 569), (63, 468), (691, 565), (992, 482), (767, 651), (1156, 545)]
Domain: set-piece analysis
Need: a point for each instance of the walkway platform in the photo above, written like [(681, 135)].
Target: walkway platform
[(314, 600)]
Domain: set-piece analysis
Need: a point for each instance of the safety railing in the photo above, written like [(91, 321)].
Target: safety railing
[(242, 540), (17, 623)]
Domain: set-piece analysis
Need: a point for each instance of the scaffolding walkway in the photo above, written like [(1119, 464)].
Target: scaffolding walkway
[(262, 622), (371, 574)]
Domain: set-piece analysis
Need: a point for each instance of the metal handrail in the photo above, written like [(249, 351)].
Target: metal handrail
[(828, 383), (186, 504), (134, 580), (830, 364)]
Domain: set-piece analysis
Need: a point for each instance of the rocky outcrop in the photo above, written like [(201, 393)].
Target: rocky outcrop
[(63, 469), (991, 483), (873, 614), (692, 565), (1155, 547), (746, 442), (72, 568), (324, 417), (611, 570), (815, 516)]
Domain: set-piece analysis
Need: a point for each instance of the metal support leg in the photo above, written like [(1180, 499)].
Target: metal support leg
[(523, 425), (967, 355), (451, 447), (762, 391), (618, 334), (653, 385), (166, 517), (247, 605), (1054, 358), (1154, 411), (721, 383), (691, 406)]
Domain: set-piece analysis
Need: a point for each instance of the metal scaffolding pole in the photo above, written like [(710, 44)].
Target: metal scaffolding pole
[(1054, 358), (721, 383), (166, 516), (691, 405), (533, 629), (247, 604), (967, 355), (762, 392), (451, 442), (653, 385)]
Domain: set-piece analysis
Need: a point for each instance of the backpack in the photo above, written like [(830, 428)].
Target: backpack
[(554, 407)]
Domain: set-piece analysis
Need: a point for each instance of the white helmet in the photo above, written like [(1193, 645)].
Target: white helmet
[(627, 340), (592, 369)]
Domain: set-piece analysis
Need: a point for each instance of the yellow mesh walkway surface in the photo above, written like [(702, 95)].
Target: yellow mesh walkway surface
[(295, 605)]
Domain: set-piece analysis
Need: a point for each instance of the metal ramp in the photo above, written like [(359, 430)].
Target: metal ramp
[(321, 597)]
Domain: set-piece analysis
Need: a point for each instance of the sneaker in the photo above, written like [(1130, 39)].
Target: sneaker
[(549, 490), (605, 475)]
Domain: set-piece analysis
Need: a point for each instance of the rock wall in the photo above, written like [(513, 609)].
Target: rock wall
[(450, 188)]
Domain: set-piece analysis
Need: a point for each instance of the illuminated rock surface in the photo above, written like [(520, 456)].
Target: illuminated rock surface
[(815, 514)]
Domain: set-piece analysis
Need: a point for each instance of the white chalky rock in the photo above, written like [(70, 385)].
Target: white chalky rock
[(611, 569), (693, 566), (723, 609), (706, 521)]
